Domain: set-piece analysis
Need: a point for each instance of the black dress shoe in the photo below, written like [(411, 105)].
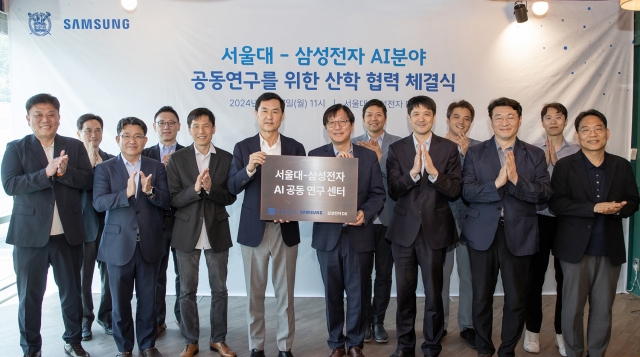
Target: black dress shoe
[(162, 328), (86, 333), (444, 333), (367, 333), (124, 354), (34, 354), (401, 353), (285, 354), (469, 336), (150, 352), (75, 350), (257, 353), (108, 329), (380, 334)]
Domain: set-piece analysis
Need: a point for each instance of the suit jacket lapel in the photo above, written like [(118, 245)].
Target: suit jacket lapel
[(191, 162), (491, 154), (519, 151), (581, 170), (59, 145), (36, 147), (610, 172)]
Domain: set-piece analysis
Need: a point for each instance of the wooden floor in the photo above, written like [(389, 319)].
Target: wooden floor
[(311, 333)]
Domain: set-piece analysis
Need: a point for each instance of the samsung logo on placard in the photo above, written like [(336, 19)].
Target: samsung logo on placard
[(96, 24), (310, 212)]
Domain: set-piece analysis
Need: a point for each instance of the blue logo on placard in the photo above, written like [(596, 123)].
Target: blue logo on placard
[(40, 23), (272, 211)]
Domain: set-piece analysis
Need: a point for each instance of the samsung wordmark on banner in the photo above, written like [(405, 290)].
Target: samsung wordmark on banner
[(96, 24)]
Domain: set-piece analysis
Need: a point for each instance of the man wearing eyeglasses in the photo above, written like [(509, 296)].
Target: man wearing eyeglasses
[(166, 124), (90, 128), (133, 190), (423, 173), (345, 250), (592, 192), (554, 121), (503, 180)]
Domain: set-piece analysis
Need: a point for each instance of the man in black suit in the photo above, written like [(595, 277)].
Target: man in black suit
[(46, 173), (592, 192), (166, 124), (198, 187), (90, 127), (133, 190), (503, 180), (424, 173), (345, 250)]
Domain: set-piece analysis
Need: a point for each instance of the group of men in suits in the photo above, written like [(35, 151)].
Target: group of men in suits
[(420, 199)]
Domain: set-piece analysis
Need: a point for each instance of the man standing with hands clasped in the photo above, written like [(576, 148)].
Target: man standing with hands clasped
[(132, 189), (198, 187)]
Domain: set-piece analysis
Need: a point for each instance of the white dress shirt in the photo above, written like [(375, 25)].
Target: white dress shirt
[(56, 225)]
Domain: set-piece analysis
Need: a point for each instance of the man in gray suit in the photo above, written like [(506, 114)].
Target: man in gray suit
[(374, 117), (459, 118), (198, 186), (90, 128)]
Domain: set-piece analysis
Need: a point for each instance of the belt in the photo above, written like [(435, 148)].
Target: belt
[(57, 237), (501, 221)]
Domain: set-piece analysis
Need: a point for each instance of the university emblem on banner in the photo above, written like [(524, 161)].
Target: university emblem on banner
[(40, 23)]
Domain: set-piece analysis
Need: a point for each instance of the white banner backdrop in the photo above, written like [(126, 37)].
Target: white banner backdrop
[(97, 58)]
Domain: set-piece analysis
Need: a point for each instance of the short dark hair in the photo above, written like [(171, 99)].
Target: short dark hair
[(268, 96), (421, 100), (131, 121), (461, 104), (374, 103), (42, 98), (199, 112), (333, 110), (86, 117), (505, 102), (557, 106), (166, 109), (587, 113)]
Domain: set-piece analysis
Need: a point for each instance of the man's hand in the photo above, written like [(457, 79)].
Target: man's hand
[(165, 158), (359, 219), (608, 207), (255, 159), (281, 221), (428, 163), (145, 183), (547, 152), (502, 178), (131, 185), (206, 180), (552, 153), (510, 164), (63, 161), (345, 155), (417, 162), (52, 167), (463, 143), (372, 145), (98, 159)]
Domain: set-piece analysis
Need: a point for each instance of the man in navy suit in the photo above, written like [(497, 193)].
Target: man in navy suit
[(262, 240), (45, 174), (345, 250), (424, 173), (592, 192), (133, 190), (166, 123), (90, 132), (503, 180), (374, 117)]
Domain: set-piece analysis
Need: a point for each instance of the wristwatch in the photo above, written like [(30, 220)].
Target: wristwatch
[(152, 192)]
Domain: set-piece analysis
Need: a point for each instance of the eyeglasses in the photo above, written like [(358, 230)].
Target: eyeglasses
[(510, 118), (169, 124), (341, 123), (90, 131), (586, 130), (134, 137)]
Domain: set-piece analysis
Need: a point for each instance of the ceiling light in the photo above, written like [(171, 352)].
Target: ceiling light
[(129, 5), (540, 8), (520, 10), (630, 5)]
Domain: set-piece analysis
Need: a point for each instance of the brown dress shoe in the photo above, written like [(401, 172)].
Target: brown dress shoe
[(338, 352), (355, 351), (189, 350), (222, 349)]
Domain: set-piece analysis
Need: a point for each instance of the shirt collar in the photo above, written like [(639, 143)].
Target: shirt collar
[(564, 144), (499, 148), (169, 148), (336, 151), (379, 139), (428, 141), (127, 163), (263, 142), (212, 150)]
